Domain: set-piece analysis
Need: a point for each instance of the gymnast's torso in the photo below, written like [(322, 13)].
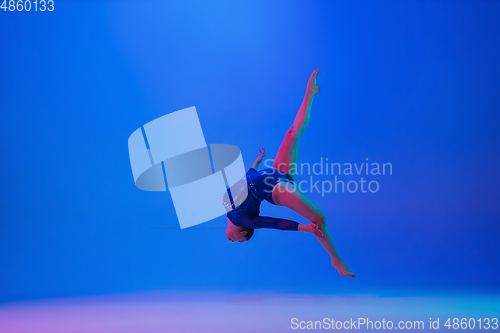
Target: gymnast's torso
[(247, 196)]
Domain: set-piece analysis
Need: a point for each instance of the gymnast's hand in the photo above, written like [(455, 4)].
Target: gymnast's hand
[(312, 87), (262, 153), (313, 229)]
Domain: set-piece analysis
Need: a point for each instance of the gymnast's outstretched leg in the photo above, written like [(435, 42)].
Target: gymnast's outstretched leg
[(288, 194), (288, 153)]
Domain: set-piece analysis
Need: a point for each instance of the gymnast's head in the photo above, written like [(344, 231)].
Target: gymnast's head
[(239, 233)]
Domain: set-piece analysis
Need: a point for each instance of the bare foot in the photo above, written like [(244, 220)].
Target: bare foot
[(340, 265), (312, 87), (313, 229)]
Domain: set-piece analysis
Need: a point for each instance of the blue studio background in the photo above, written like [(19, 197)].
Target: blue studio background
[(411, 83)]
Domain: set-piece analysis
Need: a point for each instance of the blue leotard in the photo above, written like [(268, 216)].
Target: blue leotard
[(242, 201)]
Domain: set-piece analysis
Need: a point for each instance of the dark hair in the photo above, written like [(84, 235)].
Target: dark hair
[(249, 234)]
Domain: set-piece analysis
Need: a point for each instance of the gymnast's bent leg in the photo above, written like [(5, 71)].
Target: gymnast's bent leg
[(289, 195)]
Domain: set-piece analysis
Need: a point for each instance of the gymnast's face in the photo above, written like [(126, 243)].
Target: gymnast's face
[(235, 235)]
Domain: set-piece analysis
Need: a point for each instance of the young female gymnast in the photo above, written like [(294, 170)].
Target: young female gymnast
[(276, 185)]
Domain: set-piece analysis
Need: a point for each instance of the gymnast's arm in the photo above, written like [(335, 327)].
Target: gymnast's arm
[(258, 222), (257, 161)]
